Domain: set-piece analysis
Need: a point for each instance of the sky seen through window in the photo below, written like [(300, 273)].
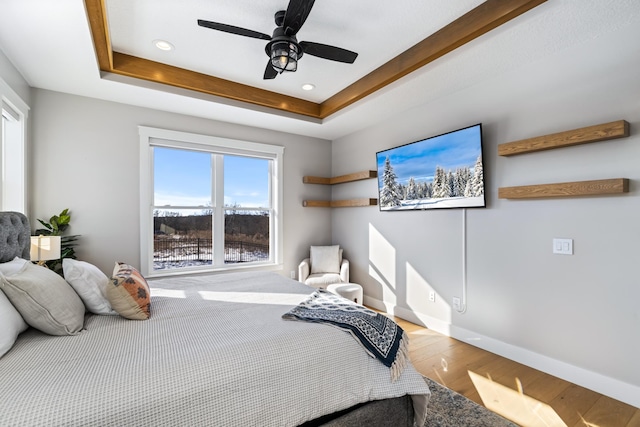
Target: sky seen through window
[(183, 178)]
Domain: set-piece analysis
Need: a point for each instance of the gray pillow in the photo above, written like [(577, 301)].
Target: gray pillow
[(44, 300)]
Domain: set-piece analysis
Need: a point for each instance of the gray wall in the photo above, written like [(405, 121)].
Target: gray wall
[(14, 79), (574, 316), (86, 156)]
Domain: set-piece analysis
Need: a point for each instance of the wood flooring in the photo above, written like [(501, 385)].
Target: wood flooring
[(522, 394)]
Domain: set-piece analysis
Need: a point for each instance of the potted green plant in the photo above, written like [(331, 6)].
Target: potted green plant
[(56, 227)]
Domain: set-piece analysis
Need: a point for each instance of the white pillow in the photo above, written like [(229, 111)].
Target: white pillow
[(13, 266), (90, 284), (325, 259), (12, 324)]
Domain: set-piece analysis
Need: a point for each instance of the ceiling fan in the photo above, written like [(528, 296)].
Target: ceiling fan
[(283, 48)]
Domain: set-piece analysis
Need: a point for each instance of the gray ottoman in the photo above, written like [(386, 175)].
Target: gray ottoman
[(350, 291)]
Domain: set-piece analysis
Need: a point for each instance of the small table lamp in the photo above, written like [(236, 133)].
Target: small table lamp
[(45, 248)]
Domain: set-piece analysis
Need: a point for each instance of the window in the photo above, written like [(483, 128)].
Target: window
[(208, 203), (12, 150)]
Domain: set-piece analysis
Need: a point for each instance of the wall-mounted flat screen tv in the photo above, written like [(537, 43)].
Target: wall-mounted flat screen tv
[(443, 171)]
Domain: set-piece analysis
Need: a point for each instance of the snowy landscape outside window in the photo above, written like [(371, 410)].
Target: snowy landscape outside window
[(184, 215), (208, 203)]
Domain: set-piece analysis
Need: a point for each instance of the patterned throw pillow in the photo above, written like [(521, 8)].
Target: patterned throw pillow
[(128, 293)]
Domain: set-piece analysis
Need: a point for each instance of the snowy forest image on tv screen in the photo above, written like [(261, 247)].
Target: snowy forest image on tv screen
[(444, 171)]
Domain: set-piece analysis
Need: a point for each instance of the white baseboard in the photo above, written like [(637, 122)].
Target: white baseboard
[(411, 316), (616, 389)]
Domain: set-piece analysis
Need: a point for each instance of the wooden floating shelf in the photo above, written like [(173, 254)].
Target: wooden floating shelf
[(349, 203), (566, 189), (357, 176), (602, 132)]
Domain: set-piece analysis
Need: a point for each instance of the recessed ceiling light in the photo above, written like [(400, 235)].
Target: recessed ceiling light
[(308, 86), (163, 45)]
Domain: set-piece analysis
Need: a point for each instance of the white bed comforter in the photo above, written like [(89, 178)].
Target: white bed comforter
[(215, 352)]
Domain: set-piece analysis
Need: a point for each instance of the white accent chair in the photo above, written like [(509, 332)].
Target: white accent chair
[(324, 267)]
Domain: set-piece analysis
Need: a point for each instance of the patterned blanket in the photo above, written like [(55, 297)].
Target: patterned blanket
[(380, 336)]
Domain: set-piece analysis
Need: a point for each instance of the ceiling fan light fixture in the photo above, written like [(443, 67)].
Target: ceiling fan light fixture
[(284, 56)]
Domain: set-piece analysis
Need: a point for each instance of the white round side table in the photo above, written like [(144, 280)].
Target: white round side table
[(350, 291)]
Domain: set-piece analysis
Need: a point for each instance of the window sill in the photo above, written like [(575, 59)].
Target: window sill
[(213, 270)]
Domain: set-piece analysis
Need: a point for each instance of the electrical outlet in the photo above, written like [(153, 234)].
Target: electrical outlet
[(456, 304), (292, 274), (432, 296)]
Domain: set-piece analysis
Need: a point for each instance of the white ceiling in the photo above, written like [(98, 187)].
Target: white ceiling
[(50, 44), (372, 31)]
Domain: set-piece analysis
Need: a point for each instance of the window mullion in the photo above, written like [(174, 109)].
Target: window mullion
[(217, 166), (147, 200), (272, 229)]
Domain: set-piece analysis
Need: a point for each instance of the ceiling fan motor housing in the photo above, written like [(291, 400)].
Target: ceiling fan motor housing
[(283, 50)]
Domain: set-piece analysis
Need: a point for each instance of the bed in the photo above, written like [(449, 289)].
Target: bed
[(214, 352)]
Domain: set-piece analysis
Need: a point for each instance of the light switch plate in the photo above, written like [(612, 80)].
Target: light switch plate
[(563, 246)]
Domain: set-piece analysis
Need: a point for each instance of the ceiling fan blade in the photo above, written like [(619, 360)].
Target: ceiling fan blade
[(328, 52), (233, 30), (270, 72), (297, 12)]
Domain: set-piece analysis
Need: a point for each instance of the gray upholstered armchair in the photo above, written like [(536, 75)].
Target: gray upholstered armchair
[(324, 266)]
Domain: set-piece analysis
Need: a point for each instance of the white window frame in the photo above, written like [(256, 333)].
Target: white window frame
[(155, 137), (13, 145)]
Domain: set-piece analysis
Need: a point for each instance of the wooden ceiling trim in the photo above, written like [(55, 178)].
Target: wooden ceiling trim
[(470, 26), (479, 21), (140, 68), (96, 12), (145, 69)]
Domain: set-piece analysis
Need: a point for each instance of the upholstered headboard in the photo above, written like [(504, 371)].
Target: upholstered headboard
[(14, 236)]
